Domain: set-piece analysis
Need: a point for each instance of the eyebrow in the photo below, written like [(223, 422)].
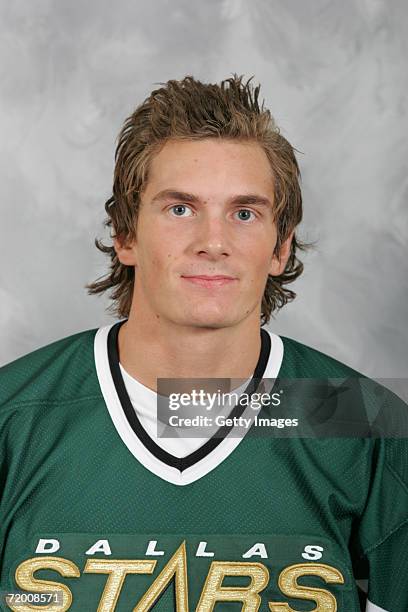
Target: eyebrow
[(243, 199)]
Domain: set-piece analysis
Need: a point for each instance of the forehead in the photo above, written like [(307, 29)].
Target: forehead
[(211, 164)]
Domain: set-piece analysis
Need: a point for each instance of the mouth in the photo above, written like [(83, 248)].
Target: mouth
[(208, 281)]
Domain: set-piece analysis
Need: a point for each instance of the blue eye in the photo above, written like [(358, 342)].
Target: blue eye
[(179, 210), (246, 216)]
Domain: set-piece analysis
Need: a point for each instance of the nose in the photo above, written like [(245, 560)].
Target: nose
[(213, 239)]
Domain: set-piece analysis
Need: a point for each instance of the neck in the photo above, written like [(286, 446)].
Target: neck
[(159, 349)]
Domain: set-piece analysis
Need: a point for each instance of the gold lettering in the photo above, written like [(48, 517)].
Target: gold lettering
[(117, 570), (177, 566), (249, 595), (25, 580), (325, 601)]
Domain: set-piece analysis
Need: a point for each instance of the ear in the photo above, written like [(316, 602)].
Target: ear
[(125, 250), (279, 262)]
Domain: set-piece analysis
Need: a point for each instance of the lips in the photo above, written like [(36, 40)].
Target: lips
[(209, 277), (205, 280)]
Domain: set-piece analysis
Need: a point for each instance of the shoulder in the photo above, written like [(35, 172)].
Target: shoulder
[(301, 360), (386, 412), (60, 370)]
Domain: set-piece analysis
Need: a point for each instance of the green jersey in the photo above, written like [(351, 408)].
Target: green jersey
[(96, 516)]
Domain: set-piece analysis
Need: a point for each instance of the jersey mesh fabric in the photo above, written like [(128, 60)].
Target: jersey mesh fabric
[(65, 470)]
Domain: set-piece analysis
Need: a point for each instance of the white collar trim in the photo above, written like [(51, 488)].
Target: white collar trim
[(131, 440)]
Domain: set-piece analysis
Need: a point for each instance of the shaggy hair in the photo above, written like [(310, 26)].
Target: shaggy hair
[(190, 110)]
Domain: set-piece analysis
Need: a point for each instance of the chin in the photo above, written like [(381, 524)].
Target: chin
[(210, 324), (210, 320)]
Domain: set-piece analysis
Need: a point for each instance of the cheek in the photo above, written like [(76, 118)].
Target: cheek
[(157, 260), (259, 261)]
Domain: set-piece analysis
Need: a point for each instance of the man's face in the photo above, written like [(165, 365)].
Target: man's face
[(205, 234)]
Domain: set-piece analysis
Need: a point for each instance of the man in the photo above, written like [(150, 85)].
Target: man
[(98, 512)]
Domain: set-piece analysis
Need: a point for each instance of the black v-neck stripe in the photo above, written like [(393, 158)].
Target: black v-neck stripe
[(180, 463)]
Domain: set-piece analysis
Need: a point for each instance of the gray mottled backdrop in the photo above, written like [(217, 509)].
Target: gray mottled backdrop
[(335, 77)]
